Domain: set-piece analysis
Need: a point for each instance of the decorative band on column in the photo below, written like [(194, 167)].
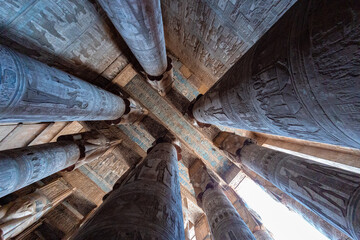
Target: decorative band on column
[(225, 222)]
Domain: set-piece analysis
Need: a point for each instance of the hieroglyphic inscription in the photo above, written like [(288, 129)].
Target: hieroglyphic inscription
[(144, 204)]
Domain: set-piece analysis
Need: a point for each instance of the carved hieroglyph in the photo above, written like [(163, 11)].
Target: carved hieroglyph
[(21, 167), (209, 36), (31, 91), (224, 221), (232, 143), (144, 204), (330, 192), (300, 80), (140, 25), (69, 34), (250, 217), (311, 217)]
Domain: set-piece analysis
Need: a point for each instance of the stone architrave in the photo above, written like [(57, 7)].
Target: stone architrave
[(144, 204)]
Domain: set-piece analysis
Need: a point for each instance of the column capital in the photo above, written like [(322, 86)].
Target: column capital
[(201, 179)]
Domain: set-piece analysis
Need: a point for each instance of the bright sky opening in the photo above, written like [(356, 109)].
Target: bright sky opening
[(283, 223)]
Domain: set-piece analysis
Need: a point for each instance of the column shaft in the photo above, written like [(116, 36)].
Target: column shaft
[(230, 143), (224, 221), (146, 204), (31, 91), (140, 25), (251, 219), (330, 192), (300, 80), (23, 166), (311, 217)]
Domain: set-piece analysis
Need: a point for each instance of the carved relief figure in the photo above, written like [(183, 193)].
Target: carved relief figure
[(316, 190), (20, 214), (274, 93), (160, 168), (137, 171)]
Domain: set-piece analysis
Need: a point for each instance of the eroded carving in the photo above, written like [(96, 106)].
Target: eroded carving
[(145, 203), (295, 86)]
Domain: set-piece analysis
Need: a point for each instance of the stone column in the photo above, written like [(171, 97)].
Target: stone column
[(145, 204), (224, 221), (300, 80), (140, 25), (332, 193), (314, 219), (31, 91), (251, 219), (21, 167)]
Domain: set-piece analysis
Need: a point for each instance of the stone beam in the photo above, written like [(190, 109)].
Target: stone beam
[(173, 120)]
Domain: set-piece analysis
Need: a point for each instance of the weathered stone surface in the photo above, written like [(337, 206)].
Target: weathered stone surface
[(22, 166), (224, 221), (144, 204), (140, 25), (251, 218), (175, 121), (311, 217), (302, 85), (18, 215), (210, 36), (72, 35), (202, 229), (230, 143), (332, 193), (32, 91)]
